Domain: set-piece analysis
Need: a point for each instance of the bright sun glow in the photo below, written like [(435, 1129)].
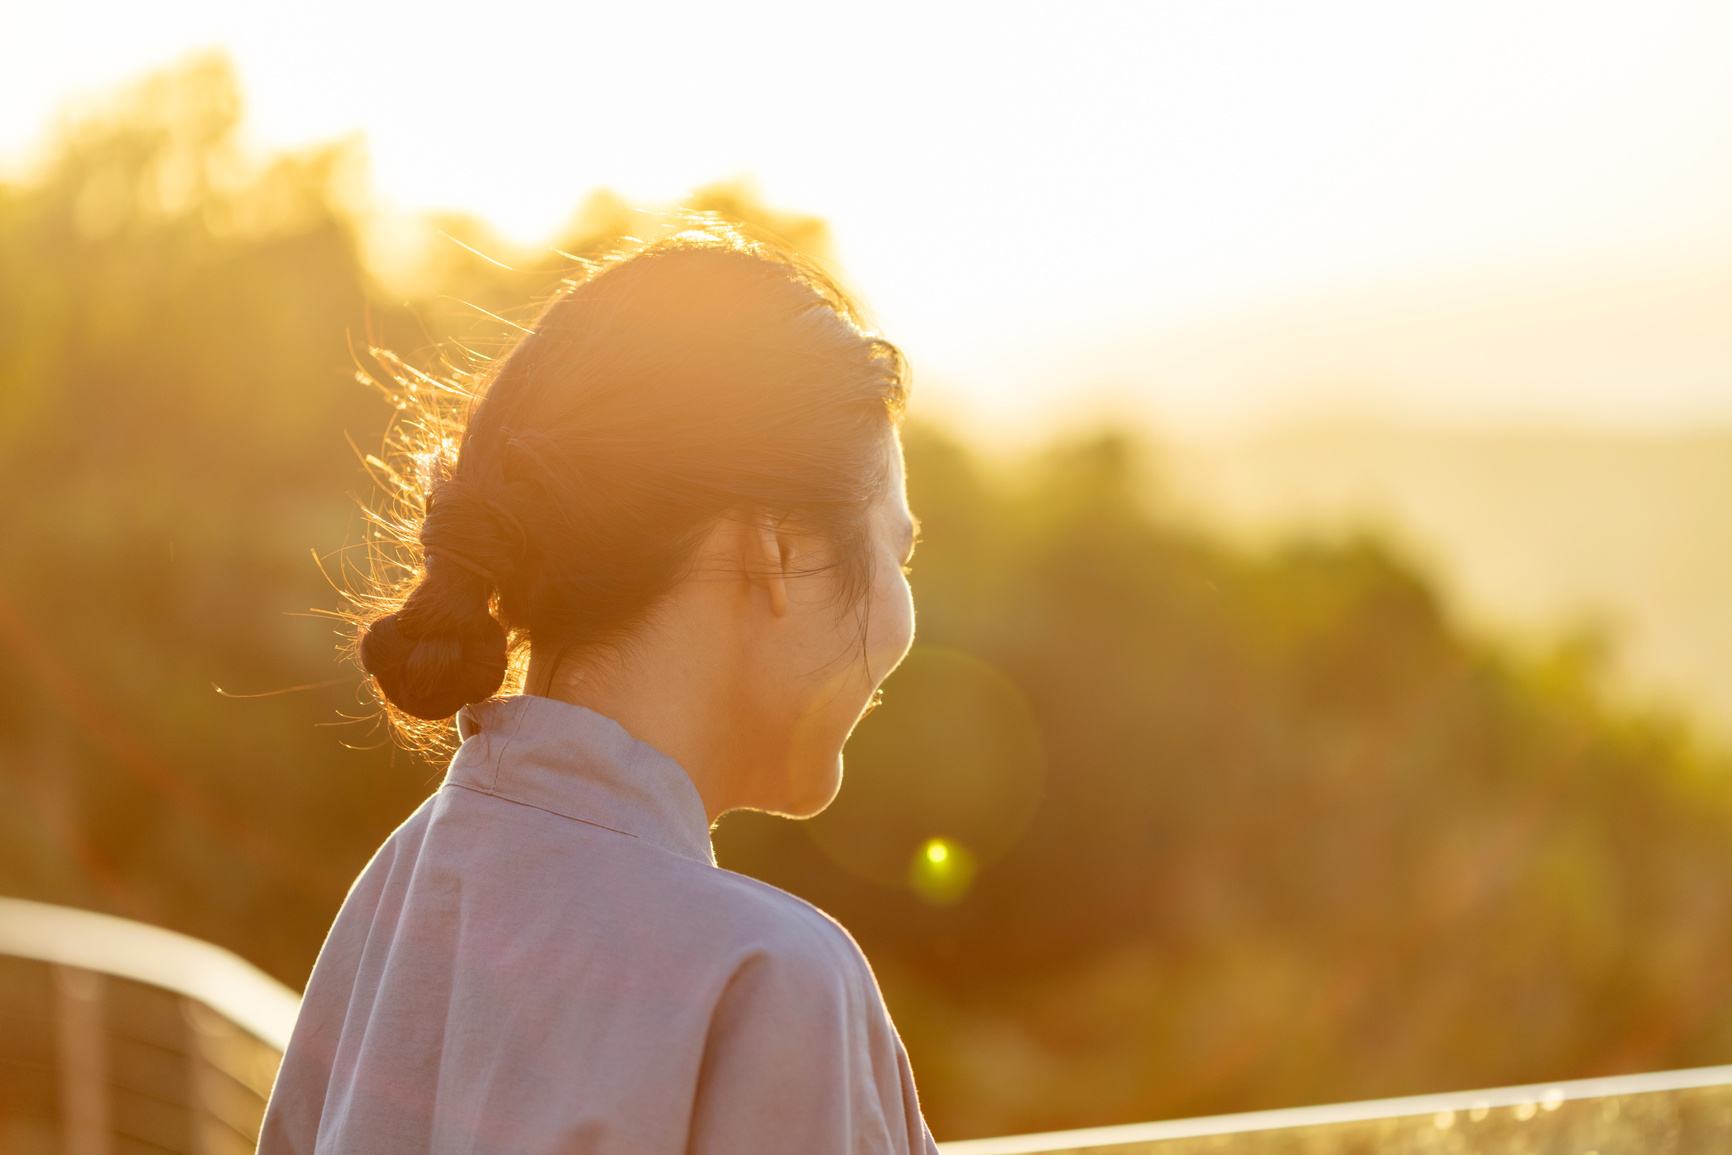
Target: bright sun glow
[(1030, 197)]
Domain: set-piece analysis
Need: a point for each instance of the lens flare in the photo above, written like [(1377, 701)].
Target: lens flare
[(942, 871)]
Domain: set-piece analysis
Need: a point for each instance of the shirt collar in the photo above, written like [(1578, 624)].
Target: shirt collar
[(575, 763)]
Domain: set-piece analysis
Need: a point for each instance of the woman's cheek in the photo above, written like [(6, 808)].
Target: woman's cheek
[(896, 613)]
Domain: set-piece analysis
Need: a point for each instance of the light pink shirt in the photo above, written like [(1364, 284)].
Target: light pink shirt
[(545, 958)]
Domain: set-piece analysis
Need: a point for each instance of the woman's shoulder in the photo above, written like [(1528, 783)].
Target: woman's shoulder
[(764, 921)]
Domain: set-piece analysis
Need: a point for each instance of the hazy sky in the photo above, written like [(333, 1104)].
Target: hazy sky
[(1056, 200)]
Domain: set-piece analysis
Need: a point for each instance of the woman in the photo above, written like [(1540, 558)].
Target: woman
[(680, 499)]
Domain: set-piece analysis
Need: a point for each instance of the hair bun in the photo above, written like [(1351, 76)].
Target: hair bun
[(430, 669)]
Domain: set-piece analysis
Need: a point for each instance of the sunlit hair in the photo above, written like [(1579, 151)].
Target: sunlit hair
[(553, 499)]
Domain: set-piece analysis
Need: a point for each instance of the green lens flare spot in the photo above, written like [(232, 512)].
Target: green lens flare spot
[(942, 870)]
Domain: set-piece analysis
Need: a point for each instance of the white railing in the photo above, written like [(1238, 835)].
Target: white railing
[(1440, 1113), (121, 1036), (220, 979)]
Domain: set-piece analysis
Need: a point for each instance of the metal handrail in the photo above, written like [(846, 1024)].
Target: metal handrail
[(1533, 1096), (220, 979)]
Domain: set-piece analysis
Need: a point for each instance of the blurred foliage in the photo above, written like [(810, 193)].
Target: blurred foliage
[(1147, 826)]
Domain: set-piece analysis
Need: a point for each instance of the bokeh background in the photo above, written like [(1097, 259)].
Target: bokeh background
[(1323, 437)]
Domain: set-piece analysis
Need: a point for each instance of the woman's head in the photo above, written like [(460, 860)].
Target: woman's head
[(700, 389)]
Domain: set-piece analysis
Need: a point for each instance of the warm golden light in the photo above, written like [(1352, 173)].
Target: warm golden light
[(1185, 160), (1242, 760)]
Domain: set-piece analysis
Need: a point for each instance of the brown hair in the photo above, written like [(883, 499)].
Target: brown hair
[(704, 373)]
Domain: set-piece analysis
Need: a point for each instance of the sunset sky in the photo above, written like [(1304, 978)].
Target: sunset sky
[(1212, 210)]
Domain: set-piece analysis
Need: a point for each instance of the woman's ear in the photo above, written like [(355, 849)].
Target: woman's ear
[(770, 558)]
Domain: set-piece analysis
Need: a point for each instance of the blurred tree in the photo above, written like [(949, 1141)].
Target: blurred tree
[(1147, 826), (174, 388)]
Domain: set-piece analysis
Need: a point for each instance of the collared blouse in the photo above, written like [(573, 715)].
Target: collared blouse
[(546, 958)]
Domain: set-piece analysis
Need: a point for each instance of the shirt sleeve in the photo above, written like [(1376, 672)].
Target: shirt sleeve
[(802, 1058)]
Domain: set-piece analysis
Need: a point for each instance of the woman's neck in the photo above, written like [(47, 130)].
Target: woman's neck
[(676, 687)]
